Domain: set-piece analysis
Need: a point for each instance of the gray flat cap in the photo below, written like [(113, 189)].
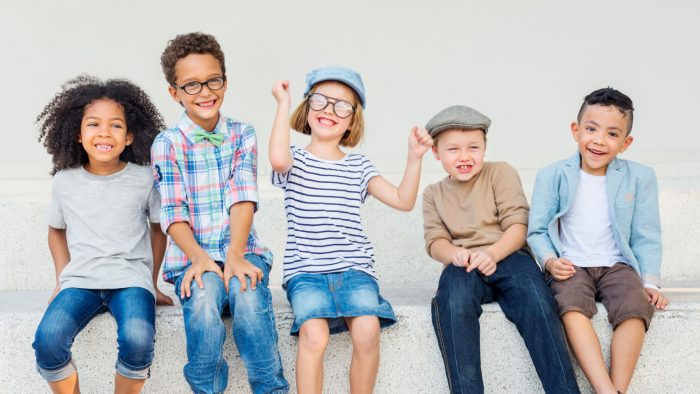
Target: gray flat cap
[(457, 117)]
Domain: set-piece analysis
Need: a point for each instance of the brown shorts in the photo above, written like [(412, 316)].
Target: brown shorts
[(619, 288)]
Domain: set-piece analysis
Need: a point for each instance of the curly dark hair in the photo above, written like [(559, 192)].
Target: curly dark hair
[(186, 44), (609, 97), (59, 122)]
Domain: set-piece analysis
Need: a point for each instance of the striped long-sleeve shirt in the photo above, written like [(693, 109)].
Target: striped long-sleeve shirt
[(199, 182), (322, 201)]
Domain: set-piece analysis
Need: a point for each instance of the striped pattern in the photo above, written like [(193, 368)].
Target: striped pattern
[(322, 200), (199, 182)]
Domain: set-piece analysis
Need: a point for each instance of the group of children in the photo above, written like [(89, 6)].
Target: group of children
[(113, 219)]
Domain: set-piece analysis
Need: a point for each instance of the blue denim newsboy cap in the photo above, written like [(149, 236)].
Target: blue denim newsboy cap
[(340, 74), (457, 117)]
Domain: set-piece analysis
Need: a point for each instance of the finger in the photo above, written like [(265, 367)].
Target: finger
[(241, 278), (654, 298), (226, 278), (254, 277), (198, 279), (185, 285), (285, 84)]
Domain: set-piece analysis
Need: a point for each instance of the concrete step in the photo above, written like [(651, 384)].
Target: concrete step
[(397, 237), (410, 359)]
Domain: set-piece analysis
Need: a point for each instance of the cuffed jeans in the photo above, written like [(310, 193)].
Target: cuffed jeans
[(519, 287), (254, 332), (134, 310)]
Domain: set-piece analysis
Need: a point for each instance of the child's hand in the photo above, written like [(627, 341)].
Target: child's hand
[(461, 258), (656, 298), (55, 292), (560, 268), (240, 268), (483, 261), (199, 266), (280, 91), (162, 299), (419, 141)]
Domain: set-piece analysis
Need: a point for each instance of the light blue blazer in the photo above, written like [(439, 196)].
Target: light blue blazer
[(633, 203)]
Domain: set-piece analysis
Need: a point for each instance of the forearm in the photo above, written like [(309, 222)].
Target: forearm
[(408, 188), (511, 240), (182, 235), (442, 250), (158, 241), (58, 246), (241, 219), (280, 157)]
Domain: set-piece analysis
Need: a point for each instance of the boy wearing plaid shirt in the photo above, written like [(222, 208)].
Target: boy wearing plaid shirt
[(205, 168)]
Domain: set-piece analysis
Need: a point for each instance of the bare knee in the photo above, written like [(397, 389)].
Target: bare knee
[(313, 336), (365, 333)]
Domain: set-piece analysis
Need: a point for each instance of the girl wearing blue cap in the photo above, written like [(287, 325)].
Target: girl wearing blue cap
[(329, 262)]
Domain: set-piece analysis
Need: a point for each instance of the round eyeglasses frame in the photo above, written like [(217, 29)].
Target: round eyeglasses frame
[(328, 101), (194, 87)]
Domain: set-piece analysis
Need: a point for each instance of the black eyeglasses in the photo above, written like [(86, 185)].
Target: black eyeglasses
[(341, 108), (195, 87)]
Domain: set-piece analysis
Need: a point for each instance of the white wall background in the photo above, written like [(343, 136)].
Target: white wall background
[(526, 64)]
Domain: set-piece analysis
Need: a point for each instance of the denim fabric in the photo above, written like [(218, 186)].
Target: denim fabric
[(334, 296), (254, 332), (520, 289), (633, 201), (134, 310)]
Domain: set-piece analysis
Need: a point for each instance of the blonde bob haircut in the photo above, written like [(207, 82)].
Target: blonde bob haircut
[(352, 137)]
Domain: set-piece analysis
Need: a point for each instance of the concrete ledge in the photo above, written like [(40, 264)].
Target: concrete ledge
[(411, 361), (397, 237)]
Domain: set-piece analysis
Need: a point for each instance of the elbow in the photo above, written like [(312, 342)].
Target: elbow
[(280, 166)]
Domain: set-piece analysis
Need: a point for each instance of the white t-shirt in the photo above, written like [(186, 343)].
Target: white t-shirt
[(586, 231), (322, 199)]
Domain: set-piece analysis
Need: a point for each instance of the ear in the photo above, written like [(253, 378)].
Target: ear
[(129, 139), (173, 93), (628, 141), (435, 152), (574, 130)]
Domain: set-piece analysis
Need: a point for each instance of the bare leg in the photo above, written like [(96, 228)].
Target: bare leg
[(313, 340), (364, 332), (586, 346), (123, 385), (625, 347), (69, 385)]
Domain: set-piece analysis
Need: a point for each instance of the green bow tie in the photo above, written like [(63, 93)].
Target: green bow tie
[(215, 138)]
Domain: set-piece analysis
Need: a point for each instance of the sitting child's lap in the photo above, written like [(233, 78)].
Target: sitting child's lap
[(619, 288), (336, 296)]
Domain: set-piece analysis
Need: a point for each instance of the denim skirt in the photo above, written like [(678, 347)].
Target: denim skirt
[(335, 296)]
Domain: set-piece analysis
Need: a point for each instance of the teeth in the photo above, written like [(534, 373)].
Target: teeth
[(326, 121), (206, 104), (103, 148)]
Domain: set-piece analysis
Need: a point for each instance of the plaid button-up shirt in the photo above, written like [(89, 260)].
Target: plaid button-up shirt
[(199, 182)]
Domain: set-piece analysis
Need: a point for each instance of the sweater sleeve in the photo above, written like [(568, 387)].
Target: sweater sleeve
[(510, 199), (433, 226)]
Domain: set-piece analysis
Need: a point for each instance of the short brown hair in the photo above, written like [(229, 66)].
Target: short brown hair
[(186, 44), (352, 137)]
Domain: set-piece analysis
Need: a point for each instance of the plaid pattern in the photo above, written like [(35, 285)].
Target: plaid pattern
[(199, 182)]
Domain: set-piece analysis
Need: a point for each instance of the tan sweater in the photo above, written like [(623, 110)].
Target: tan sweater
[(474, 214)]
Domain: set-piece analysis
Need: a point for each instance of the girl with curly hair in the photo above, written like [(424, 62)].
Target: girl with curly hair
[(103, 197)]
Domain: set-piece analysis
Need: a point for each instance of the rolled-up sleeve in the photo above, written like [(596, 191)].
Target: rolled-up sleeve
[(170, 183), (242, 183)]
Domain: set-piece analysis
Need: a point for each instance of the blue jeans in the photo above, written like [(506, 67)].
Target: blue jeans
[(254, 332), (134, 310), (519, 287)]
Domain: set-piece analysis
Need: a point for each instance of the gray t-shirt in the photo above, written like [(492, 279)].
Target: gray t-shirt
[(106, 221)]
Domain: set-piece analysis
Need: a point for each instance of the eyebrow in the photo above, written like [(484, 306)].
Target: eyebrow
[(95, 117)]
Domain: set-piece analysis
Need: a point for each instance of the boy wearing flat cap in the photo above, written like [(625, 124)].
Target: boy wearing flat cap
[(475, 223)]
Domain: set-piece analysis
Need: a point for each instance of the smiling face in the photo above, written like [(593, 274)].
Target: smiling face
[(104, 136), (601, 135), (203, 107), (325, 124), (461, 153)]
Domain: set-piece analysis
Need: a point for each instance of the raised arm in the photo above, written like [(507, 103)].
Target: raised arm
[(280, 157), (403, 197)]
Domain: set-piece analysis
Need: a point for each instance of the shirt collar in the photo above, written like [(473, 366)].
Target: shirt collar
[(189, 127)]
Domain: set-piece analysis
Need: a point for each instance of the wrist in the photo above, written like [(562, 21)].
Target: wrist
[(547, 264)]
